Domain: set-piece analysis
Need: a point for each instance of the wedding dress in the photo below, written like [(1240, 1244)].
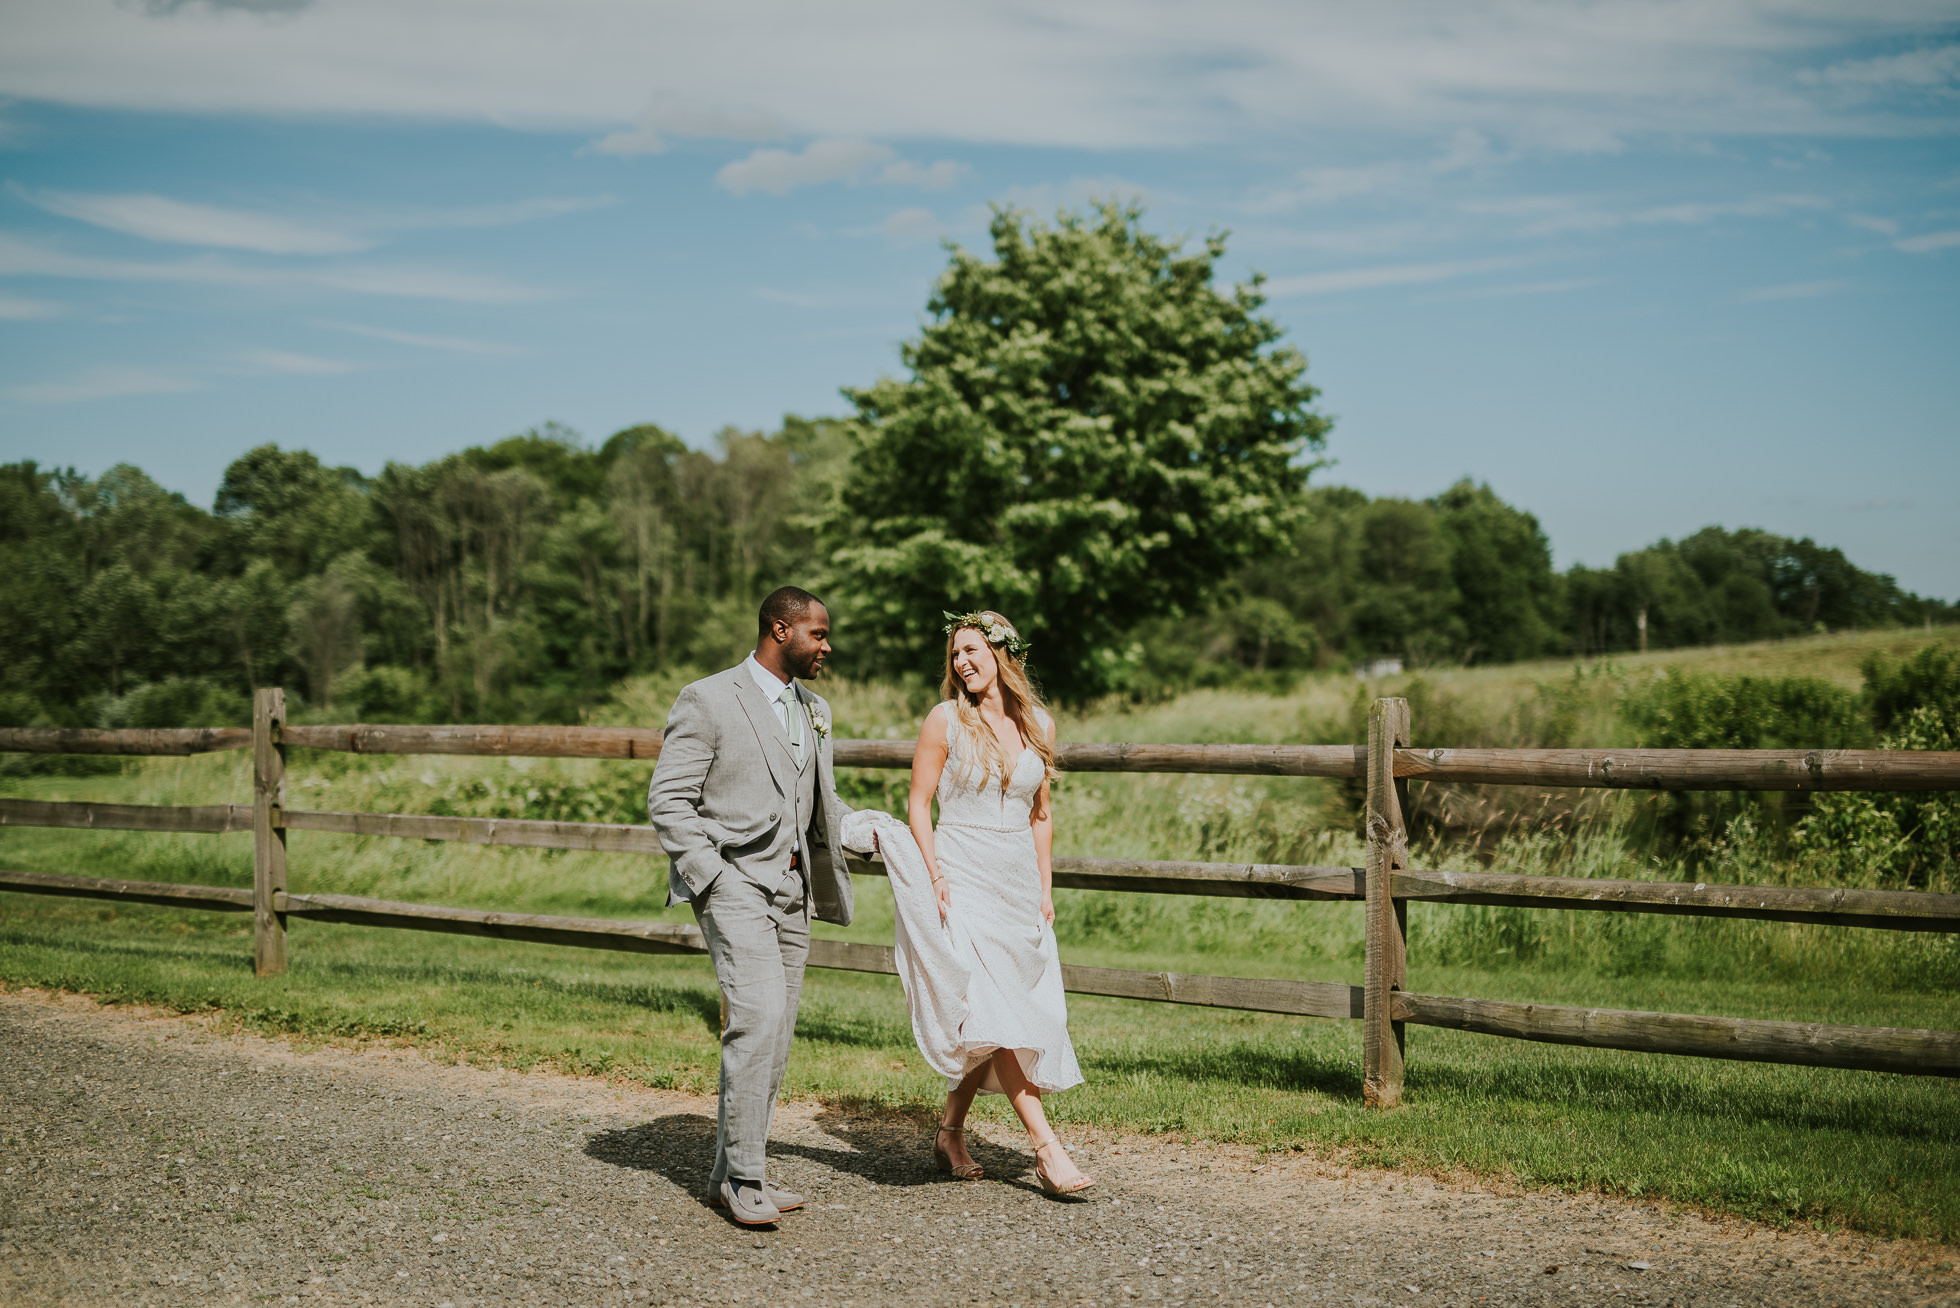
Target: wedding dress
[(987, 977)]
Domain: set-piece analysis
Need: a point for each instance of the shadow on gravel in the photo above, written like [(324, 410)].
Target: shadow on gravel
[(884, 1150)]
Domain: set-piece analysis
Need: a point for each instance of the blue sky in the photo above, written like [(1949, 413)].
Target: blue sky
[(1640, 266)]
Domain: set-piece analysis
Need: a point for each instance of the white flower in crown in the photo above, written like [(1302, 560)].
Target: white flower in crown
[(818, 720)]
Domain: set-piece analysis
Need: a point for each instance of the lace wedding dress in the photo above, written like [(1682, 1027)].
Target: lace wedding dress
[(988, 977)]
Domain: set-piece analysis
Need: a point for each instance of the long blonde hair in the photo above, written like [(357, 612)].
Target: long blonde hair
[(1018, 696)]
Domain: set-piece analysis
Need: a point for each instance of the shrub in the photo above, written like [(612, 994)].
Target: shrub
[(1690, 710), (1904, 840)]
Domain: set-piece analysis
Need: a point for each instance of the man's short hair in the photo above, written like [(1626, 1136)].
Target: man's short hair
[(786, 604)]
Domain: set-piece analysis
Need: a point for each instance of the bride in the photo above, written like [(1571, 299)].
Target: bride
[(987, 754)]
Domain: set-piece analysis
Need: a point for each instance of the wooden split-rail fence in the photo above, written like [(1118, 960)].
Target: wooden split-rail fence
[(1387, 885)]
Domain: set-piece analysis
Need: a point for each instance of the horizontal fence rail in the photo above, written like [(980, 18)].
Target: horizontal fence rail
[(212, 818), (1882, 1049), (600, 837), (1620, 769), (1809, 1044), (217, 899), (508, 742), (76, 740), (1894, 910)]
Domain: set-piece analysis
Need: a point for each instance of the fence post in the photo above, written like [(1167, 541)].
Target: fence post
[(268, 839), (1386, 968)]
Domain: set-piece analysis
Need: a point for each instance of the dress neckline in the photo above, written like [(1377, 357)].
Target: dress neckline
[(1014, 770)]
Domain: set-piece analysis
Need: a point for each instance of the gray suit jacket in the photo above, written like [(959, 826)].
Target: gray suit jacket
[(724, 795)]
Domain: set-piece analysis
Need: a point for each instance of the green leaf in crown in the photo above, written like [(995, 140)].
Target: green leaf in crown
[(998, 633)]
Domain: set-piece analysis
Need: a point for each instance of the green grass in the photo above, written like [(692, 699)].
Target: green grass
[(1861, 1149)]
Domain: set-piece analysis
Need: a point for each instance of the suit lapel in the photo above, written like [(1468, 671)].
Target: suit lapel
[(767, 729)]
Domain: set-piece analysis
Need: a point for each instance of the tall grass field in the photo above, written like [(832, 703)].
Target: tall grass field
[(1867, 1150)]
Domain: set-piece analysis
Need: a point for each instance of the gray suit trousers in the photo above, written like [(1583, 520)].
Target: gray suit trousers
[(759, 940)]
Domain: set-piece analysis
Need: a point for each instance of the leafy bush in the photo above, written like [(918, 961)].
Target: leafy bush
[(618, 796), (1898, 688), (1689, 710), (1906, 840), (177, 702), (390, 694)]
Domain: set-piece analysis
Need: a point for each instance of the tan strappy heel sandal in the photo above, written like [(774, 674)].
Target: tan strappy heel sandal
[(1077, 1186), (962, 1171)]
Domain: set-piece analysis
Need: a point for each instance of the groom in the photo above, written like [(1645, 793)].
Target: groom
[(745, 801)]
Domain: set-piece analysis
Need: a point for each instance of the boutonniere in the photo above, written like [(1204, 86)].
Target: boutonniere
[(818, 721)]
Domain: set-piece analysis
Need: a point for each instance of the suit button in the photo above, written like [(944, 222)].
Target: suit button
[(772, 817)]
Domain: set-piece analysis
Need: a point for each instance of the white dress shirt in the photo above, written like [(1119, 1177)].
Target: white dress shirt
[(772, 687)]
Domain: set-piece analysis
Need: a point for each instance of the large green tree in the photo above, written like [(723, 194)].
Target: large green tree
[(1093, 432)]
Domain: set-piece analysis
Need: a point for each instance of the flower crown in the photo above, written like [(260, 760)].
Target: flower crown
[(996, 630)]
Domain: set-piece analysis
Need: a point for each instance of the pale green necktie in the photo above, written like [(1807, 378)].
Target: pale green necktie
[(793, 722)]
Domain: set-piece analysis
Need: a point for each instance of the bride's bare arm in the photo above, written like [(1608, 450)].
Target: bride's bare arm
[(928, 761), (1044, 838)]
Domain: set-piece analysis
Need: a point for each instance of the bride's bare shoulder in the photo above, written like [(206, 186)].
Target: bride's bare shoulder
[(933, 730)]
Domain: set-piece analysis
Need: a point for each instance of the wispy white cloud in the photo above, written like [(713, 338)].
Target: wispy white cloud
[(1928, 68), (1404, 274), (1883, 226), (668, 117), (1366, 239), (779, 172), (1545, 215), (177, 222), (23, 258), (911, 225), (1557, 287), (457, 344), (1559, 215), (833, 299), (105, 383), (1321, 186), (1465, 151), (504, 214), (1928, 243), (1756, 206), (1792, 291), (158, 218), (165, 7), (936, 176), (298, 365), (14, 308)]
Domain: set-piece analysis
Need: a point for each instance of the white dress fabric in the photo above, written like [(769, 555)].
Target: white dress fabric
[(988, 977)]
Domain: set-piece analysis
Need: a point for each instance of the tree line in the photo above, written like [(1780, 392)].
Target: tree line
[(1463, 577), (1092, 436)]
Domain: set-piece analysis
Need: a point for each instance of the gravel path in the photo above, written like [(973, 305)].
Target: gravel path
[(152, 1159)]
